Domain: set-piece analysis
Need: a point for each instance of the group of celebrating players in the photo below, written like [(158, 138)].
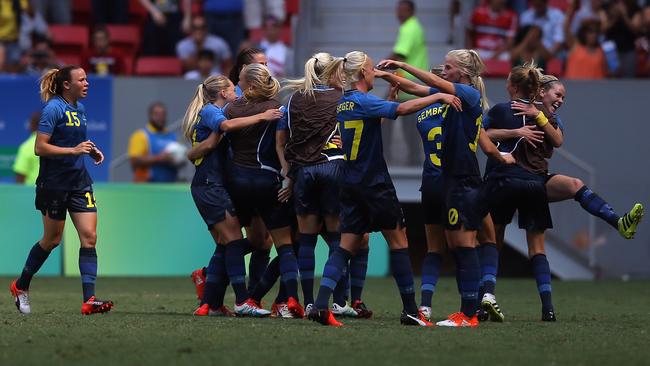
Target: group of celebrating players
[(287, 173)]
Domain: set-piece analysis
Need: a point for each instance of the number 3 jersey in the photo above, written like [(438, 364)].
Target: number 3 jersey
[(359, 116), (66, 126)]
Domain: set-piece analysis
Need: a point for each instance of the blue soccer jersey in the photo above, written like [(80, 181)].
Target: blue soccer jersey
[(501, 116), (429, 124), (359, 116), (66, 126), (461, 133), (209, 169)]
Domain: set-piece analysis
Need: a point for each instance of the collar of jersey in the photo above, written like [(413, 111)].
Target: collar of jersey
[(322, 87)]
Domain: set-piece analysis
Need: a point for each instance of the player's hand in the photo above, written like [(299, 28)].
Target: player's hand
[(285, 192), (531, 134), (336, 140), (271, 114), (393, 92), (508, 159), (83, 148), (380, 73), (97, 155), (389, 65), (452, 100), (525, 109)]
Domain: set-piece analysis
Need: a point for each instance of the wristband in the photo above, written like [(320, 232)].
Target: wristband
[(541, 119)]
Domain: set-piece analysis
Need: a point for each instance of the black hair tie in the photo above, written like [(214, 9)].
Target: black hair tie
[(345, 59)]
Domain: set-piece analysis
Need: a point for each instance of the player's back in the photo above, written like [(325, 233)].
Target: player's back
[(210, 168), (429, 125)]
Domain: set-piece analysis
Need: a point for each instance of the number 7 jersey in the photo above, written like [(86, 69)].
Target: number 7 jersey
[(359, 118)]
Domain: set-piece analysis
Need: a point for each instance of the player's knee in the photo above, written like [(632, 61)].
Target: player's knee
[(50, 243), (89, 239)]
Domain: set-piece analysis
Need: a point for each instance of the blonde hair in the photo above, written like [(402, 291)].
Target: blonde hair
[(261, 84), (314, 70), (344, 71), (470, 64), (206, 92), (547, 81), (527, 79), (51, 82)]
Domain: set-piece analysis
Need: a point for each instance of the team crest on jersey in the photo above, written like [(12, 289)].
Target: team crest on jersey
[(453, 216)]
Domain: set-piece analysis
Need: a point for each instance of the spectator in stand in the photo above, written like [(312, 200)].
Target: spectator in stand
[(147, 145), (578, 13), (622, 22), (586, 59), (166, 22), (225, 19), (31, 23), (256, 10), (643, 43), (205, 67), (277, 53), (10, 13), (529, 46), (199, 39), (27, 163), (111, 11), (491, 30), (101, 58), (40, 57), (550, 20), (54, 11)]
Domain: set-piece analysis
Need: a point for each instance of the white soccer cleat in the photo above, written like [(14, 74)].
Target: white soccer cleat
[(346, 310), (489, 304), (282, 311), (426, 312), (250, 308), (22, 299), (308, 309)]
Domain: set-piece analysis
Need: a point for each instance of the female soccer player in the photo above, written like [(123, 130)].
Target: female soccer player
[(368, 198), (254, 174), (64, 185), (461, 77), (203, 117)]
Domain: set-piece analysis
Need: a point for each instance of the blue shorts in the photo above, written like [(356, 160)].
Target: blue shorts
[(433, 200), (370, 208), (212, 201), (55, 203), (505, 195), (465, 203), (316, 189), (254, 192)]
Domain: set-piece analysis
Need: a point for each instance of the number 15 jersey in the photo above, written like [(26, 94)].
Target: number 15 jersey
[(359, 117)]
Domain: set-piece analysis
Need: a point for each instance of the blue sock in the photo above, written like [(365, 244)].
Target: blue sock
[(37, 256), (288, 269), (430, 273), (358, 270), (468, 273), (256, 266), (236, 268), (88, 270), (216, 278), (542, 272), (268, 280), (342, 286), (596, 206), (400, 264), (331, 276), (489, 258), (307, 264)]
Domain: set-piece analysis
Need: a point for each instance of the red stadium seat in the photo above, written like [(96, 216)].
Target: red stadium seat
[(158, 65), (125, 38), (555, 67), (81, 11), (137, 13), (257, 34), (69, 39), (292, 7), (496, 68), (69, 59), (128, 65)]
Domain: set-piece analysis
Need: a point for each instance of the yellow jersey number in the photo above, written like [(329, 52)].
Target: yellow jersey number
[(91, 200), (73, 120), (436, 131), (479, 124), (357, 126), (198, 161)]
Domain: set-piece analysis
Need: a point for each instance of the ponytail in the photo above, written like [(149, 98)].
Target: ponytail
[(469, 63), (526, 79), (334, 74), (262, 84), (314, 71), (206, 92), (51, 83), (343, 72)]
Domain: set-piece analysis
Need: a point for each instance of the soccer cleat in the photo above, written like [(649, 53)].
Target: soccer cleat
[(362, 310), (482, 315), (489, 304), (426, 312), (21, 297), (199, 282), (414, 319), (459, 320), (94, 306), (281, 310), (325, 317), (308, 309), (251, 308), (295, 308), (628, 223), (205, 310), (548, 316), (346, 311)]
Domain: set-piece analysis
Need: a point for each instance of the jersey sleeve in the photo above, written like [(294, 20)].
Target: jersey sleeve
[(213, 120), (377, 107), (51, 113), (283, 123), (138, 144), (467, 94), (433, 91), (559, 122)]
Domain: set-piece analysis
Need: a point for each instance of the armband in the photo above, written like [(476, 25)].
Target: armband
[(541, 119)]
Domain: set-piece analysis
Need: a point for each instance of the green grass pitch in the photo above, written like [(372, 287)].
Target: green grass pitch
[(599, 323)]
